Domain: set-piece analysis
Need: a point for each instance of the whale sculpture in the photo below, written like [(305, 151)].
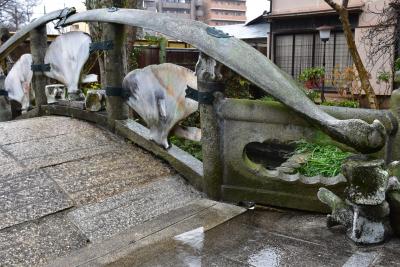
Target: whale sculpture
[(157, 94), (67, 55), (238, 56), (18, 81)]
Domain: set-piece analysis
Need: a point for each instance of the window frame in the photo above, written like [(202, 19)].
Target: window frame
[(315, 34)]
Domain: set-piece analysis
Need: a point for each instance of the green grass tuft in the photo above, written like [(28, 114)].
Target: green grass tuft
[(192, 147), (325, 160)]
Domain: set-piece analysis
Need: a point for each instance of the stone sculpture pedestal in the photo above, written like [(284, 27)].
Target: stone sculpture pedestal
[(365, 211)]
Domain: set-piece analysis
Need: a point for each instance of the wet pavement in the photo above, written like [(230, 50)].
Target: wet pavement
[(66, 184), (264, 238)]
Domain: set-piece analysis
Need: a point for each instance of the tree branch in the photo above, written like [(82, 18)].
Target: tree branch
[(333, 4)]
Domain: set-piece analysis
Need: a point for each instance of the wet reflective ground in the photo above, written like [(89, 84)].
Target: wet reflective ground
[(264, 237)]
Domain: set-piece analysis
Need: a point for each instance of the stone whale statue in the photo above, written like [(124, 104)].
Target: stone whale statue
[(67, 55), (157, 94), (18, 81), (238, 56)]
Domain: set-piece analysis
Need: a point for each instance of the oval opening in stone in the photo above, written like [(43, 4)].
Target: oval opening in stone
[(269, 154)]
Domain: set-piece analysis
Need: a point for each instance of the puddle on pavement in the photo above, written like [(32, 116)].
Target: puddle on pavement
[(266, 257), (189, 246)]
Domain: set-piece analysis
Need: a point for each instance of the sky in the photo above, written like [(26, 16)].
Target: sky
[(254, 7)]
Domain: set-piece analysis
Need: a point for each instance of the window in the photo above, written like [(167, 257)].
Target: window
[(296, 52)]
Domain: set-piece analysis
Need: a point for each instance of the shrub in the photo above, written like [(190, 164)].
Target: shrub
[(346, 103)]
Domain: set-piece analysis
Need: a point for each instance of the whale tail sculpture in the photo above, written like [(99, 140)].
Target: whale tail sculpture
[(67, 55), (238, 56), (157, 94), (18, 80)]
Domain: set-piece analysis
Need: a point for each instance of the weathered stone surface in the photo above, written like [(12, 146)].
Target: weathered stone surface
[(9, 164), (140, 244), (95, 100), (70, 142), (29, 196), (72, 104), (40, 128), (394, 202), (99, 118), (52, 163), (101, 176), (261, 238), (187, 165), (104, 219), (36, 242), (5, 108)]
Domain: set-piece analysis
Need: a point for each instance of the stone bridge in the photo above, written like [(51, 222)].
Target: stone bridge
[(66, 184), (74, 194)]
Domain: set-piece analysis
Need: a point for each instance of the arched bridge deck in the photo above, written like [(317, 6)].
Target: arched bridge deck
[(66, 184)]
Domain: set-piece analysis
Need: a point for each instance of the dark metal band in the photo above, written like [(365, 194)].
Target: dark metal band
[(40, 67), (217, 33), (3, 92), (64, 14), (114, 91), (206, 98), (212, 86), (101, 46)]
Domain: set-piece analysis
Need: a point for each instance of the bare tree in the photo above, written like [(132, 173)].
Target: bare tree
[(362, 72), (96, 31), (15, 13), (382, 40)]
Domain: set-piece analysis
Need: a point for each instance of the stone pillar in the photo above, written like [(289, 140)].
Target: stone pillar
[(5, 108), (163, 50), (38, 39), (114, 68), (209, 80), (393, 144)]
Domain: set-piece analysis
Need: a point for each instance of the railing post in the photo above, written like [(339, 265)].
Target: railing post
[(209, 80), (38, 40), (114, 68), (394, 141), (5, 108), (163, 50)]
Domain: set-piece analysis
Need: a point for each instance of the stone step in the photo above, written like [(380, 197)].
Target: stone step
[(115, 214), (196, 217)]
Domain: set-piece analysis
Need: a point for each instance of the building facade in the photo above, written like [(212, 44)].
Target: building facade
[(295, 43), (212, 12), (186, 9), (224, 12)]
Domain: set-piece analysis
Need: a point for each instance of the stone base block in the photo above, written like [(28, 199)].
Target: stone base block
[(394, 202)]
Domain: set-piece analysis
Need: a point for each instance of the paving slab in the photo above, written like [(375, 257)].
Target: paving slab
[(29, 196), (36, 242), (102, 220), (55, 168), (39, 128), (142, 242), (250, 239), (98, 177), (9, 164)]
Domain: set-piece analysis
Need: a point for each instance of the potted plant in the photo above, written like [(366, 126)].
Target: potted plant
[(312, 78)]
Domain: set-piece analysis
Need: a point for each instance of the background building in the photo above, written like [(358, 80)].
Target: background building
[(187, 9), (212, 12), (295, 43), (224, 12)]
